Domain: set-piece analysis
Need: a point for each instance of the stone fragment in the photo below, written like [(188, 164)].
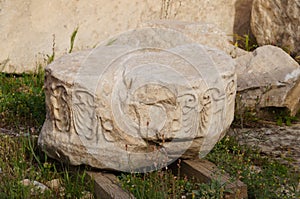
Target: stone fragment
[(30, 30), (138, 102), (268, 77), (25, 182), (277, 22), (37, 186), (54, 184)]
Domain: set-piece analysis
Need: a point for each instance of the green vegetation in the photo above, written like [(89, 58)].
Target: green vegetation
[(245, 42), (284, 117), (72, 40), (22, 104), (164, 184), (22, 113), (20, 159), (252, 118)]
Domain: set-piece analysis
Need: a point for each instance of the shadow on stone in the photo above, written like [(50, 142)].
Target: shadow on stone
[(242, 19)]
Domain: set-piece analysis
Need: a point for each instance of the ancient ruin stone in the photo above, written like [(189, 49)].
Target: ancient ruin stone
[(277, 22), (202, 33), (268, 77), (138, 102)]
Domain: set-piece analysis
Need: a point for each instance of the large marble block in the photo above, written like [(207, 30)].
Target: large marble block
[(138, 101)]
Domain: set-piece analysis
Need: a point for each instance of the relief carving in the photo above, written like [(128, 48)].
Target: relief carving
[(59, 107), (205, 112), (84, 113), (190, 112), (150, 105), (230, 90)]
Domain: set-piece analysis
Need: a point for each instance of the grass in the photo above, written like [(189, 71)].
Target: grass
[(19, 160), (165, 184), (22, 112), (72, 40), (22, 100), (245, 42)]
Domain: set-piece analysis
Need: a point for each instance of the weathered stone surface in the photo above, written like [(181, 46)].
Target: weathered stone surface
[(27, 27), (202, 33), (277, 22), (140, 100), (268, 77)]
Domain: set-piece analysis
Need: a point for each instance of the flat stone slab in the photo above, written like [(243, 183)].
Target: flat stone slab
[(106, 186), (138, 102)]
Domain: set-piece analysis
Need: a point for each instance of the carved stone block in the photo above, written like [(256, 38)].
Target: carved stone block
[(138, 102)]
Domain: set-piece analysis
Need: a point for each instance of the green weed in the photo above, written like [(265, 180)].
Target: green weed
[(22, 113), (164, 184), (21, 159), (245, 42), (72, 40), (50, 58), (22, 100)]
